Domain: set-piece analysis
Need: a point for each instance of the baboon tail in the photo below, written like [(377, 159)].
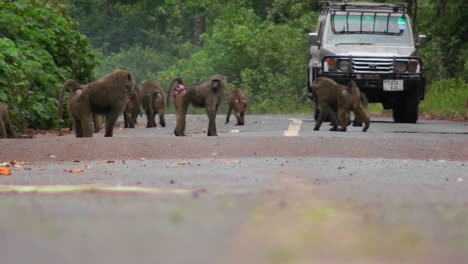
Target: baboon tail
[(69, 84), (170, 88)]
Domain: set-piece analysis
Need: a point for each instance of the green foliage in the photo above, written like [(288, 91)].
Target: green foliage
[(265, 60), (446, 54), (446, 98), (38, 50), (143, 62)]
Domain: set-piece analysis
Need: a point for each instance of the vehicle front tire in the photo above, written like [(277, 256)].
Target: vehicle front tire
[(406, 109)]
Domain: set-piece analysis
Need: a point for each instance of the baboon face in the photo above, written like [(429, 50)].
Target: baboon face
[(216, 85)]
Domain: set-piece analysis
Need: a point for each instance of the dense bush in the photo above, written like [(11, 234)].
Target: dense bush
[(266, 60), (39, 49)]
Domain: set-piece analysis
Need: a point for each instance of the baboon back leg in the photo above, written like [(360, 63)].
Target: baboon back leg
[(343, 119), (357, 121), (77, 126), (324, 112), (211, 112), (362, 115), (126, 121), (228, 113), (85, 126), (134, 118), (238, 118), (162, 121), (149, 115), (97, 120), (111, 119), (181, 112), (154, 118), (242, 118), (3, 133), (9, 129)]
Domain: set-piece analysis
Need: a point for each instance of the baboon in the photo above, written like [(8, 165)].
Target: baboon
[(6, 128), (328, 95), (153, 101), (106, 96), (132, 109), (209, 94), (238, 103)]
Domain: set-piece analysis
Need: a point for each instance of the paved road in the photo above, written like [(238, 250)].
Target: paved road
[(272, 191)]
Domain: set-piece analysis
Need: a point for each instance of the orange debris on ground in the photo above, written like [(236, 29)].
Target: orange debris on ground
[(5, 171)]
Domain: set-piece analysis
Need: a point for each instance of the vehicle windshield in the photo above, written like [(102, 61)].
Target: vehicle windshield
[(367, 29)]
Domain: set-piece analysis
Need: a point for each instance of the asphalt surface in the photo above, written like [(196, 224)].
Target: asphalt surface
[(272, 191)]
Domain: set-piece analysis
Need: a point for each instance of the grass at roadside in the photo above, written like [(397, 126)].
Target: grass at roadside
[(446, 98)]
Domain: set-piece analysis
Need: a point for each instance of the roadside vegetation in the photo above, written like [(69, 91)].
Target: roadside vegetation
[(261, 45)]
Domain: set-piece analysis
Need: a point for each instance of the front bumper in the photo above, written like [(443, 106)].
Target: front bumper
[(371, 82)]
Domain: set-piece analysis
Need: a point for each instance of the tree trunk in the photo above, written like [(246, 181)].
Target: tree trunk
[(107, 6), (200, 28)]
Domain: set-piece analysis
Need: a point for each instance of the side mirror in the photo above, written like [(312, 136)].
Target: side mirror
[(313, 37), (421, 41)]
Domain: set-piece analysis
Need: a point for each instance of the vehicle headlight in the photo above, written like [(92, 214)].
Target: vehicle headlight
[(344, 65), (401, 66), (330, 64)]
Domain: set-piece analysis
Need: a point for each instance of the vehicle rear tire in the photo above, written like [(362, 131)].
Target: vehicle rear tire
[(406, 110)]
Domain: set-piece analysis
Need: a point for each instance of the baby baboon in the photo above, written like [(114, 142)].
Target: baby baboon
[(238, 103), (328, 94), (6, 128), (153, 101), (132, 109), (106, 96), (208, 94)]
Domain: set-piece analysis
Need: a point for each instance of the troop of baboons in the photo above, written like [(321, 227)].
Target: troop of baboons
[(118, 93)]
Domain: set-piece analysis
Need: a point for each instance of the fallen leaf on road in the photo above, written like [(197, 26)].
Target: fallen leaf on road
[(74, 171), (76, 161), (5, 171), (142, 159), (180, 163), (110, 161), (13, 162)]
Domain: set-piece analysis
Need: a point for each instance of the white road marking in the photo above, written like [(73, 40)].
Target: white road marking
[(293, 129), (51, 189)]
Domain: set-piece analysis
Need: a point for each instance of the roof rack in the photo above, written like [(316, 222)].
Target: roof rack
[(326, 6)]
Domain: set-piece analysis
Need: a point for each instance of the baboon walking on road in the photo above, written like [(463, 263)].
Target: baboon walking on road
[(209, 94), (328, 94), (6, 128), (238, 103), (153, 101), (107, 96)]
